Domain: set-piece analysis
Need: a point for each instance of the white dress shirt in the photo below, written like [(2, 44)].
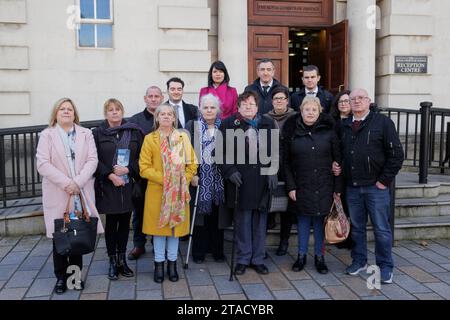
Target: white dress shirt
[(180, 112)]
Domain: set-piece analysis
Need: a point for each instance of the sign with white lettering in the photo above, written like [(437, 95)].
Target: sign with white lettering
[(411, 64)]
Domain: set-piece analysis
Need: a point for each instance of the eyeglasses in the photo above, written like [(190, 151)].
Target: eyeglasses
[(354, 99), (279, 99), (346, 101)]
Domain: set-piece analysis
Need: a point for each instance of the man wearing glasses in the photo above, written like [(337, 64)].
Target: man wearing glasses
[(372, 157)]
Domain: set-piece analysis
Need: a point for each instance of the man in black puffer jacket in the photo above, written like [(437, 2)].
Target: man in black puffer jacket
[(372, 157)]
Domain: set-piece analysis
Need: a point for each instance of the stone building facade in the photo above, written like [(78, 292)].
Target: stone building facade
[(125, 46)]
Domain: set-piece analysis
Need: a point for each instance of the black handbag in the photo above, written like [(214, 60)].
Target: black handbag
[(75, 237), (279, 199)]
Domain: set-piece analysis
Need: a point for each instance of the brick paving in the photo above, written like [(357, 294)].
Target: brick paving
[(421, 273)]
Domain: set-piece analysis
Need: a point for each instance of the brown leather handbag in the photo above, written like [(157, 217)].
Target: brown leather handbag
[(337, 225)]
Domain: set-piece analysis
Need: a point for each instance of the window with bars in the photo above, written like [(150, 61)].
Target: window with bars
[(96, 22)]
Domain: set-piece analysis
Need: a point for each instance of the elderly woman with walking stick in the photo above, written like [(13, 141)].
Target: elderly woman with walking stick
[(247, 139), (208, 225)]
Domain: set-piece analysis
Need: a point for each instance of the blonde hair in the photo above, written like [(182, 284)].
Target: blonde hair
[(159, 109), (56, 107), (113, 101), (313, 100)]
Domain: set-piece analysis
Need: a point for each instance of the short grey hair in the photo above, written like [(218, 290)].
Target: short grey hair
[(214, 99), (154, 87)]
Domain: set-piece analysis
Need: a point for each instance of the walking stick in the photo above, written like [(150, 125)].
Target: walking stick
[(186, 265), (234, 234)]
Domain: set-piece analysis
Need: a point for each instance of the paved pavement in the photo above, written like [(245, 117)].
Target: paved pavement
[(422, 272)]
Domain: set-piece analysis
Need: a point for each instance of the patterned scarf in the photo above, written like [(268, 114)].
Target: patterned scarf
[(175, 188), (210, 180)]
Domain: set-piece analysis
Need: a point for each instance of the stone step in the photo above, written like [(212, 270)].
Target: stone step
[(408, 186), (423, 207), (430, 190)]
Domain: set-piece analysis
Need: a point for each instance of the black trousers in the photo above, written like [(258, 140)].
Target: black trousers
[(61, 263), (117, 230), (139, 238), (286, 222), (208, 238)]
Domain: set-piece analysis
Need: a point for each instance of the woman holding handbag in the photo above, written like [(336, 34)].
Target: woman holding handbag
[(66, 160), (167, 161), (310, 147), (116, 140)]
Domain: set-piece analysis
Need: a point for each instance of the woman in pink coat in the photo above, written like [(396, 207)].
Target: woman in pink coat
[(218, 80), (65, 177)]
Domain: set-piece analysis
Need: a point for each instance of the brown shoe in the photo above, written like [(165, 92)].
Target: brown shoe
[(136, 253)]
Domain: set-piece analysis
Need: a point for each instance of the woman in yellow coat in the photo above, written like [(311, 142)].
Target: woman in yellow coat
[(167, 161)]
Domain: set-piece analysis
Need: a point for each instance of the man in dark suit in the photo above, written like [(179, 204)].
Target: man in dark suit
[(311, 78), (185, 111), (264, 85)]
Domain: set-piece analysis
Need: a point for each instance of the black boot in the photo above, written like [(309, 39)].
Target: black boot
[(172, 270), (113, 274), (282, 248), (122, 266), (158, 276), (319, 262), (300, 263)]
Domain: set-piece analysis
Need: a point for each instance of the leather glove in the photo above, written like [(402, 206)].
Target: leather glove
[(236, 178), (273, 182)]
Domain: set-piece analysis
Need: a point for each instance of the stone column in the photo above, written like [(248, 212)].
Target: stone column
[(360, 15), (232, 40)]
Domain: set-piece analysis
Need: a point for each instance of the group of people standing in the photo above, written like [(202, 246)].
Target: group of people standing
[(161, 164)]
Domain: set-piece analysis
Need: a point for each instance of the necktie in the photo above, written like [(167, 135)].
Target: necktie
[(355, 125), (266, 89), (311, 93), (176, 107)]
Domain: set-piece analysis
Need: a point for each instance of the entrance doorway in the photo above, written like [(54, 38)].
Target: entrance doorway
[(291, 48), (294, 33), (306, 46)]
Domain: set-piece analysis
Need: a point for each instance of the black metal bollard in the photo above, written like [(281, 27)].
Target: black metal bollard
[(424, 155)]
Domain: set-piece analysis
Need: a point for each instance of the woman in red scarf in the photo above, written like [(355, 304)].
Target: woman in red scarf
[(218, 85)]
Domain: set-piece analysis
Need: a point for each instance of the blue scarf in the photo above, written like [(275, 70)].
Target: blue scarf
[(210, 181)]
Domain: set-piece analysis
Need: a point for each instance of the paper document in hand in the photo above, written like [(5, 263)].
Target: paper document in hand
[(123, 160)]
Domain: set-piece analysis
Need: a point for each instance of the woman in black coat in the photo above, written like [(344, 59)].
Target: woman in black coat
[(308, 156), (244, 171), (116, 140)]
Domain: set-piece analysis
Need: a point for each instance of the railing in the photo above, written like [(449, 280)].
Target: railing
[(424, 133), (19, 178)]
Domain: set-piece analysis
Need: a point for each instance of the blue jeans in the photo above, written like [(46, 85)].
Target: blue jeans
[(159, 245), (370, 200), (303, 227)]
